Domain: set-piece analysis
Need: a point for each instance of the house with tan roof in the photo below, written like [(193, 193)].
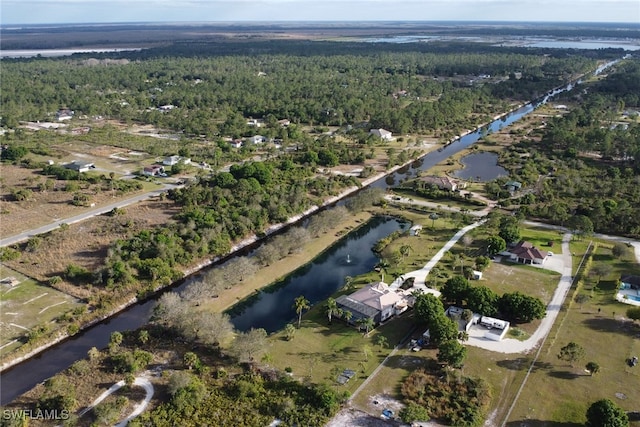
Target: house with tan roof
[(376, 301)]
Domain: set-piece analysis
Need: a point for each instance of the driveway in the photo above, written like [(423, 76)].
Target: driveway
[(510, 345), (138, 409)]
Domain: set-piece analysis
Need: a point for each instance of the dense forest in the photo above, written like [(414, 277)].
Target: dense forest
[(215, 87)]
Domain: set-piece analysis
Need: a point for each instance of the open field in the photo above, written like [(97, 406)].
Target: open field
[(26, 305), (85, 244), (45, 207), (608, 338)]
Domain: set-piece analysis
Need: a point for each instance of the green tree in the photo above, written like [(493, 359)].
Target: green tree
[(495, 244), (452, 353), (404, 251), (289, 331), (571, 352), (300, 304), (332, 309), (482, 300), (455, 290), (143, 336), (633, 313), (191, 360), (383, 266), (413, 412), (381, 340), (433, 216), (593, 368), (366, 323), (605, 413), (482, 262), (620, 250)]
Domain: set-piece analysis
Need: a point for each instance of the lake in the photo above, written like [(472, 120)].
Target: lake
[(481, 167)]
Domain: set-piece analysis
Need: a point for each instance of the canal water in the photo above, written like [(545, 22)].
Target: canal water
[(272, 308), (23, 377)]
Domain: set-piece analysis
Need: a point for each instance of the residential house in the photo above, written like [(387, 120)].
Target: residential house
[(383, 134), (236, 143), (415, 230), (376, 301), (64, 114), (153, 170), (254, 122), (442, 182), (165, 108), (525, 253), (256, 139), (79, 166), (513, 186), (174, 160), (284, 122)]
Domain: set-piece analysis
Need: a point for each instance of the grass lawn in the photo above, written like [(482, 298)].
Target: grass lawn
[(25, 306), (557, 392), (320, 352)]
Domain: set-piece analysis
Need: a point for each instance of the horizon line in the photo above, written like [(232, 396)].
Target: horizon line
[(319, 22)]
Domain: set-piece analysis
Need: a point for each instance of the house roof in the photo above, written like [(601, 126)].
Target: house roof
[(514, 184), (526, 250), (380, 132), (356, 306), (440, 181), (376, 295)]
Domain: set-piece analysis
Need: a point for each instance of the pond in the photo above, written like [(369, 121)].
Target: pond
[(481, 167), (272, 308)]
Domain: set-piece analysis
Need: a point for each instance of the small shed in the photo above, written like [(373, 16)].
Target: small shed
[(415, 230), (476, 275)]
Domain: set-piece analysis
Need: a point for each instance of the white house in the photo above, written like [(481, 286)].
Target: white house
[(174, 160), (415, 230), (383, 134), (256, 139), (79, 166)]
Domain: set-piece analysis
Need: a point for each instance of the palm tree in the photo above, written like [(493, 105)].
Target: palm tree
[(404, 251), (300, 304), (332, 309), (347, 315), (367, 323), (433, 218), (348, 282), (383, 266)]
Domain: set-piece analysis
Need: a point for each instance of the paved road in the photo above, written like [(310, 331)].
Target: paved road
[(10, 240)]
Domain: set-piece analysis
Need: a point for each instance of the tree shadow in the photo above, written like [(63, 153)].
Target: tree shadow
[(609, 324), (523, 363), (540, 423), (564, 375)]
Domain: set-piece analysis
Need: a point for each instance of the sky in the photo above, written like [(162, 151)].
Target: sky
[(102, 11)]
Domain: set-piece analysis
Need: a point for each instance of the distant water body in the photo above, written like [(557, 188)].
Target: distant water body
[(541, 42), (50, 53)]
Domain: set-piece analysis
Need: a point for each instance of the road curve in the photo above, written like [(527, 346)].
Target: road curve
[(138, 409)]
